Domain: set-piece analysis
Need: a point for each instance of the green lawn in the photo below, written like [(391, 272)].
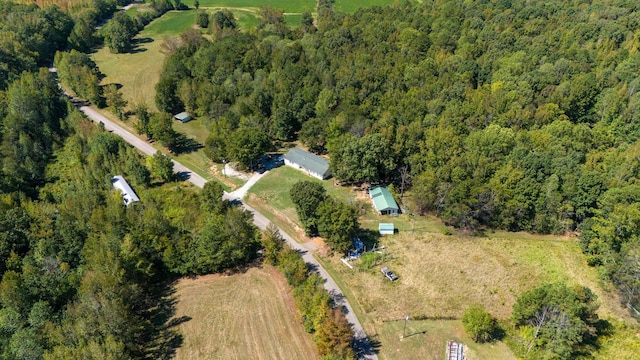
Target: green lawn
[(139, 71), (288, 6), (350, 6), (293, 20), (426, 339)]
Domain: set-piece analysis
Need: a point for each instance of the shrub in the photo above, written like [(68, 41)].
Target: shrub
[(479, 324)]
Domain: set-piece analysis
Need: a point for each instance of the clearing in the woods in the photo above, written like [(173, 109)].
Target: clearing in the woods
[(249, 315)]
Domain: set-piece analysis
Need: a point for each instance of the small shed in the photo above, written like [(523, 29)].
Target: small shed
[(386, 228), (383, 201), (128, 195), (183, 117), (310, 163)]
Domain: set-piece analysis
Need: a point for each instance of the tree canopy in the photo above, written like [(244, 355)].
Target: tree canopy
[(513, 115), (560, 321)]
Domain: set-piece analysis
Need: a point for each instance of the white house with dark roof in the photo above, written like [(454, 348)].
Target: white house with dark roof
[(310, 163), (128, 195)]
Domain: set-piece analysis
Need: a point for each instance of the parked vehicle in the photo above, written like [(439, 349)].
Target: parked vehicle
[(389, 274)]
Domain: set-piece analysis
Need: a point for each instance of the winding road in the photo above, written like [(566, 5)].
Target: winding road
[(363, 346)]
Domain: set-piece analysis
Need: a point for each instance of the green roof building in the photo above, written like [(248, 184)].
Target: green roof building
[(310, 163), (383, 201)]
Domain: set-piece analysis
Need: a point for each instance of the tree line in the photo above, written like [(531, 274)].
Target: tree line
[(320, 316), (513, 115)]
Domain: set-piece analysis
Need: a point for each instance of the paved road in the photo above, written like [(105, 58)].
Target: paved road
[(140, 144), (363, 346)]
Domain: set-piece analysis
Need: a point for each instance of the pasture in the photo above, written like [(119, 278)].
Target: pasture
[(440, 275), (350, 6), (249, 315), (287, 6)]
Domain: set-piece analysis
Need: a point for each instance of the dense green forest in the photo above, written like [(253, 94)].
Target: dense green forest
[(82, 275), (516, 115)]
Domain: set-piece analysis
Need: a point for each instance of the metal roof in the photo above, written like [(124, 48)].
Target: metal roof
[(183, 116), (128, 194), (382, 199), (385, 226), (308, 161)]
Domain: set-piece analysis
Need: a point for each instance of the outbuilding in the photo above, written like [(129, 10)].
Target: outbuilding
[(383, 201), (128, 195), (310, 163), (386, 228), (183, 117)]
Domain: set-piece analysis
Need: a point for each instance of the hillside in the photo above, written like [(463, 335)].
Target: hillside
[(518, 116)]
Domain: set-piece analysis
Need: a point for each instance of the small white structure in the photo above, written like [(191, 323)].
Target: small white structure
[(386, 229), (128, 195), (310, 163)]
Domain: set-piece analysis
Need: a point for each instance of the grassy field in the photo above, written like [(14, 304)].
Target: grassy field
[(426, 339), (288, 6), (139, 71), (440, 275), (350, 6), (243, 316), (271, 197)]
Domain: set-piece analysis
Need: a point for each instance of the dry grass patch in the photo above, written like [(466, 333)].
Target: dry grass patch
[(426, 339), (440, 276), (243, 316)]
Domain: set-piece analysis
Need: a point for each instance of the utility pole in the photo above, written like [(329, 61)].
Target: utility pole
[(404, 330)]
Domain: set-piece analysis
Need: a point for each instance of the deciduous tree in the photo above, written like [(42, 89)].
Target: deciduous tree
[(307, 197)]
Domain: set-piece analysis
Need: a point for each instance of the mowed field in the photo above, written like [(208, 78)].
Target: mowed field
[(139, 71), (350, 6), (287, 6), (250, 315), (440, 275)]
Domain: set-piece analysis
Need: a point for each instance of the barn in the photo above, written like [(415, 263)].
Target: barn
[(128, 195), (310, 163), (383, 201)]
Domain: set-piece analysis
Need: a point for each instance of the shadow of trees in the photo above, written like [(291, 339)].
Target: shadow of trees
[(137, 45), (184, 145), (161, 338)]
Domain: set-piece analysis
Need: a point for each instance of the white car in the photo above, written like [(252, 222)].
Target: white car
[(389, 274)]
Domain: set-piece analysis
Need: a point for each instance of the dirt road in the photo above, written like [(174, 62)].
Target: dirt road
[(363, 346)]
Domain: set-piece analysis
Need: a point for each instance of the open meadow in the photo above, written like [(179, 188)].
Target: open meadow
[(287, 6), (249, 315), (350, 6), (440, 275), (138, 72)]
